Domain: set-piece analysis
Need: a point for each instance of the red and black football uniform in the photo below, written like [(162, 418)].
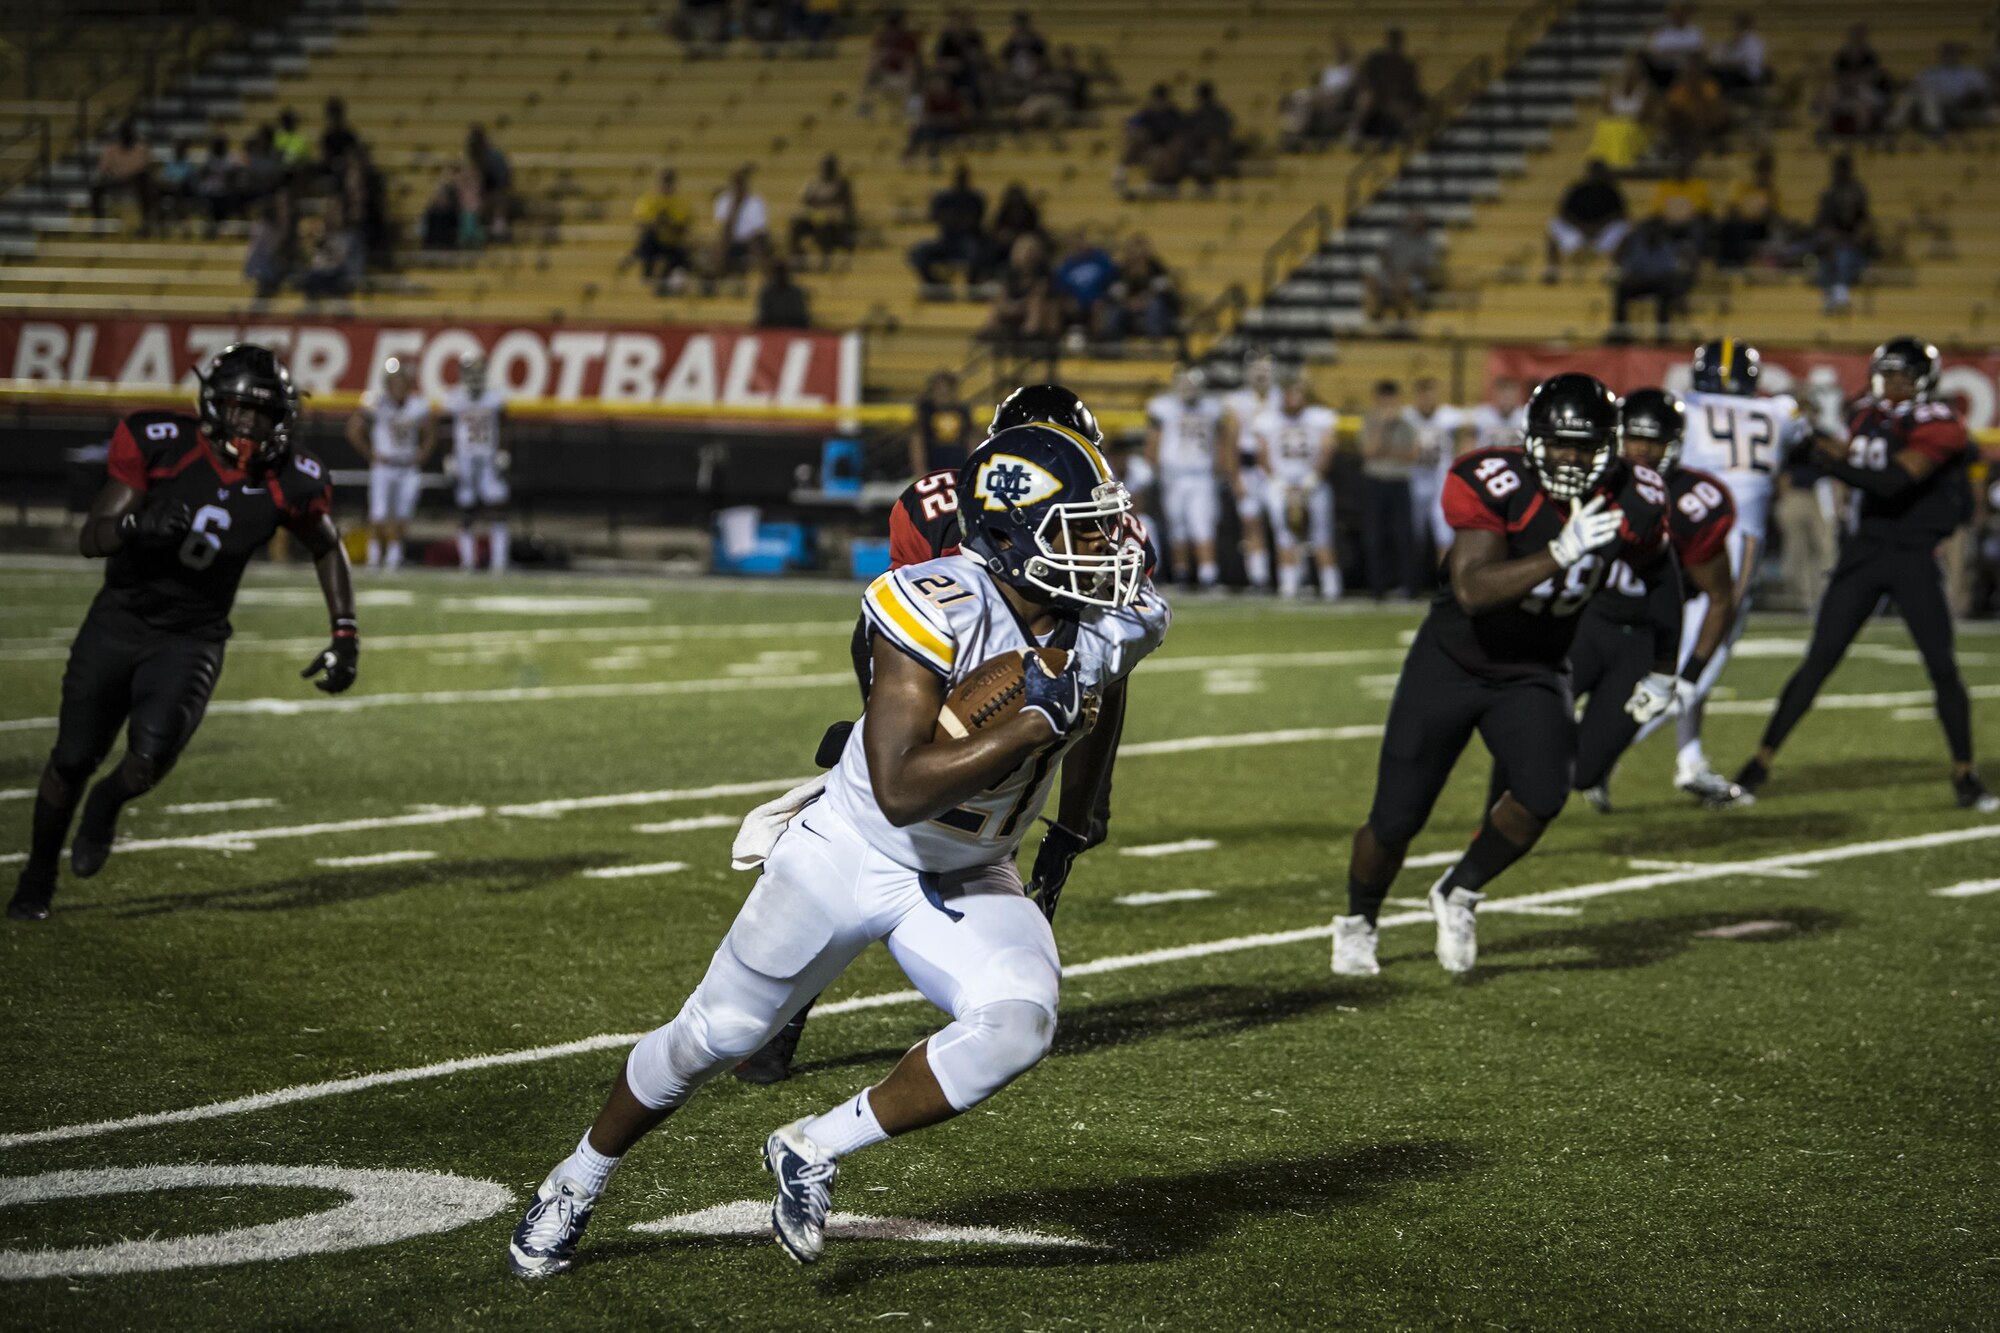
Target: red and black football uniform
[(1503, 672), (1889, 547)]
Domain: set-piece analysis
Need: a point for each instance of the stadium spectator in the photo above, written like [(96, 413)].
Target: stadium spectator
[(1404, 272), (1320, 113), (940, 116), (1804, 511), (440, 225), (817, 20), (781, 302), (959, 212), (290, 141), (465, 180), (943, 431), (1143, 299), (1083, 278), (496, 182), (177, 184), (217, 185), (338, 262), (703, 25), (1389, 447), (1669, 45), (1024, 55), (366, 195), (663, 222), (1683, 205), (960, 54), (767, 23), (267, 262), (262, 170), (1843, 234), (1852, 106), (1950, 95), (1739, 64), (1388, 95), (1858, 58), (826, 216), (1694, 114), (336, 138), (1592, 213), (1209, 133), (1058, 96), (1017, 216), (1752, 221), (1620, 137), (1650, 263), (895, 63), (125, 166), (1026, 309), (1153, 141), (742, 224)]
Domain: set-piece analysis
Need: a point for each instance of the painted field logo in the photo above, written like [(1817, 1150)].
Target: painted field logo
[(382, 1207)]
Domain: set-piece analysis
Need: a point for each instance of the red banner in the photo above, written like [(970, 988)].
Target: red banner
[(1972, 380), (564, 363)]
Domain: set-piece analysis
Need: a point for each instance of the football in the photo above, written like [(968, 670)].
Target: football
[(992, 693)]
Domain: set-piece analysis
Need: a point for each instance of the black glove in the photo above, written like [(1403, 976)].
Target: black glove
[(340, 660), (162, 523), (1059, 698), (1052, 862)]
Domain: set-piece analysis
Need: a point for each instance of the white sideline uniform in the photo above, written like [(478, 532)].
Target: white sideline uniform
[(1293, 446), (1189, 433), (475, 446), (395, 435), (1434, 459), (1244, 406)]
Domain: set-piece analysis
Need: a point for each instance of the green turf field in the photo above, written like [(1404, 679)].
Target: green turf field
[(1617, 1122)]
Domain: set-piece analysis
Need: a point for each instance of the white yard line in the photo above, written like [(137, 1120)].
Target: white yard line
[(1170, 848), (634, 872), (221, 807), (1897, 699), (305, 1092), (689, 825), (1290, 736), (1971, 888), (16, 793), (374, 859), (1168, 896), (243, 840), (1647, 863)]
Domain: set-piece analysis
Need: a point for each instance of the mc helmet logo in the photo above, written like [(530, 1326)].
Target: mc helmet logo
[(1008, 479)]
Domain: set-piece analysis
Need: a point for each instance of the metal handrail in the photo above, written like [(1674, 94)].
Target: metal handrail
[(1214, 321), (42, 163), (1282, 254)]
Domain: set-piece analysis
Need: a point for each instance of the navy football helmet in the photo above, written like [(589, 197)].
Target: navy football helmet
[(246, 376), (1911, 356), (1043, 511), (1657, 417), (1572, 411), (1049, 403), (1727, 365)]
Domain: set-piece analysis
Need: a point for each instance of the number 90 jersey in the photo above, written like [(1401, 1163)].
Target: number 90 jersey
[(189, 588), (950, 617), (1743, 441), (1498, 490)]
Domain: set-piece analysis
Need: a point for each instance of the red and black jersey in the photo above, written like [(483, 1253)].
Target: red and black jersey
[(1933, 509), (923, 525), (1699, 522), (1498, 490), (190, 588)]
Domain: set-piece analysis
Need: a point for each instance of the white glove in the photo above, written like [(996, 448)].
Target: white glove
[(1588, 528), (1657, 695), (762, 826)]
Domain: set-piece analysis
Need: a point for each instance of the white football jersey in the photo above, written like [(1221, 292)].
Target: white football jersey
[(395, 429), (1743, 441), (1188, 433), (1434, 452), (1494, 429), (1244, 406), (1292, 445), (951, 617), (475, 422)]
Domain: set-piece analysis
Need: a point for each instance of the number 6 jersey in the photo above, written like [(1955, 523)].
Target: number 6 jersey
[(189, 588), (950, 617), (1498, 490)]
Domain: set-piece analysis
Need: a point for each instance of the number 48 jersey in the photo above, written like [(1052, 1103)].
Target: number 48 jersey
[(190, 588), (1743, 441)]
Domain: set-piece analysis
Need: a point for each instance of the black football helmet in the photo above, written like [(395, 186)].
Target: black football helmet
[(1024, 496), (1727, 365), (1656, 416), (1575, 411), (1050, 403), (1913, 357), (244, 375)]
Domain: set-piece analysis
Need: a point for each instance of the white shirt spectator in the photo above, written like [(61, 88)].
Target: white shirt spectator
[(1336, 79), (1493, 428), (1671, 44), (752, 220), (1743, 53)]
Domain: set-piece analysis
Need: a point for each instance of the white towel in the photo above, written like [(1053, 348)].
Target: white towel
[(762, 826)]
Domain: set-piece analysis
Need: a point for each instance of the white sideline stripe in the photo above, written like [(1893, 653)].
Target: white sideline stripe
[(1897, 699), (1169, 896), (614, 800), (305, 1092), (1188, 744), (374, 859), (632, 872), (1971, 888), (1169, 849), (243, 840), (1528, 909), (1431, 860), (689, 825), (1646, 863), (221, 807)]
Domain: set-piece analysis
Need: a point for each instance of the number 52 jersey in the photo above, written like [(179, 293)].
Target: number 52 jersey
[(190, 588), (950, 618)]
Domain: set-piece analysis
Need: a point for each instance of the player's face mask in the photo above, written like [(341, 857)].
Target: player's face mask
[(1568, 467), (1085, 553), (247, 429)]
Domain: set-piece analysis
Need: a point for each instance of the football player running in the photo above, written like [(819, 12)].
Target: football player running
[(394, 430), (1741, 439), (1259, 394), (913, 841), (1182, 433), (1537, 529), (1295, 443), (479, 462), (1906, 458), (188, 501)]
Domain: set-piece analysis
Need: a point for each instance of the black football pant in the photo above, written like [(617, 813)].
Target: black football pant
[(1607, 662), (1863, 576)]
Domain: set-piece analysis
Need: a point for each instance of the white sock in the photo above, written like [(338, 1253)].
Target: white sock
[(1329, 581), (1289, 578), (1692, 757), (1206, 574), (588, 1167), (374, 552), (468, 550), (497, 541), (1257, 564), (848, 1126), (393, 558)]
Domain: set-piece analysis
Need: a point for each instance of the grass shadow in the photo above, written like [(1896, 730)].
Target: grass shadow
[(1729, 829), (1614, 945), (331, 887)]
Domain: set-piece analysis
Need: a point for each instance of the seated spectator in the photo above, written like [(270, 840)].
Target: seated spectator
[(1843, 234), (703, 25), (337, 261), (496, 181), (290, 141), (1153, 141), (1592, 213), (1752, 222), (1059, 95), (366, 195), (268, 261), (465, 179), (1853, 106), (782, 303), (1388, 96), (1333, 95), (125, 166), (1083, 277), (336, 138), (959, 213), (895, 62), (1950, 95), (1739, 63), (1621, 138), (177, 184), (1210, 138), (1857, 57), (1650, 263), (827, 213), (1405, 270), (439, 227), (1669, 45), (940, 116), (1024, 55), (960, 54), (1026, 308), (816, 22), (943, 431), (262, 171), (217, 184), (1017, 216), (1142, 299), (661, 244), (742, 225), (1683, 206), (767, 22), (1694, 113)]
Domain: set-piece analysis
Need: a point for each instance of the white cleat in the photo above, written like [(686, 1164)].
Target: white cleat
[(1714, 791), (544, 1242), (1599, 797), (1354, 947), (805, 1190), (1458, 931)]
